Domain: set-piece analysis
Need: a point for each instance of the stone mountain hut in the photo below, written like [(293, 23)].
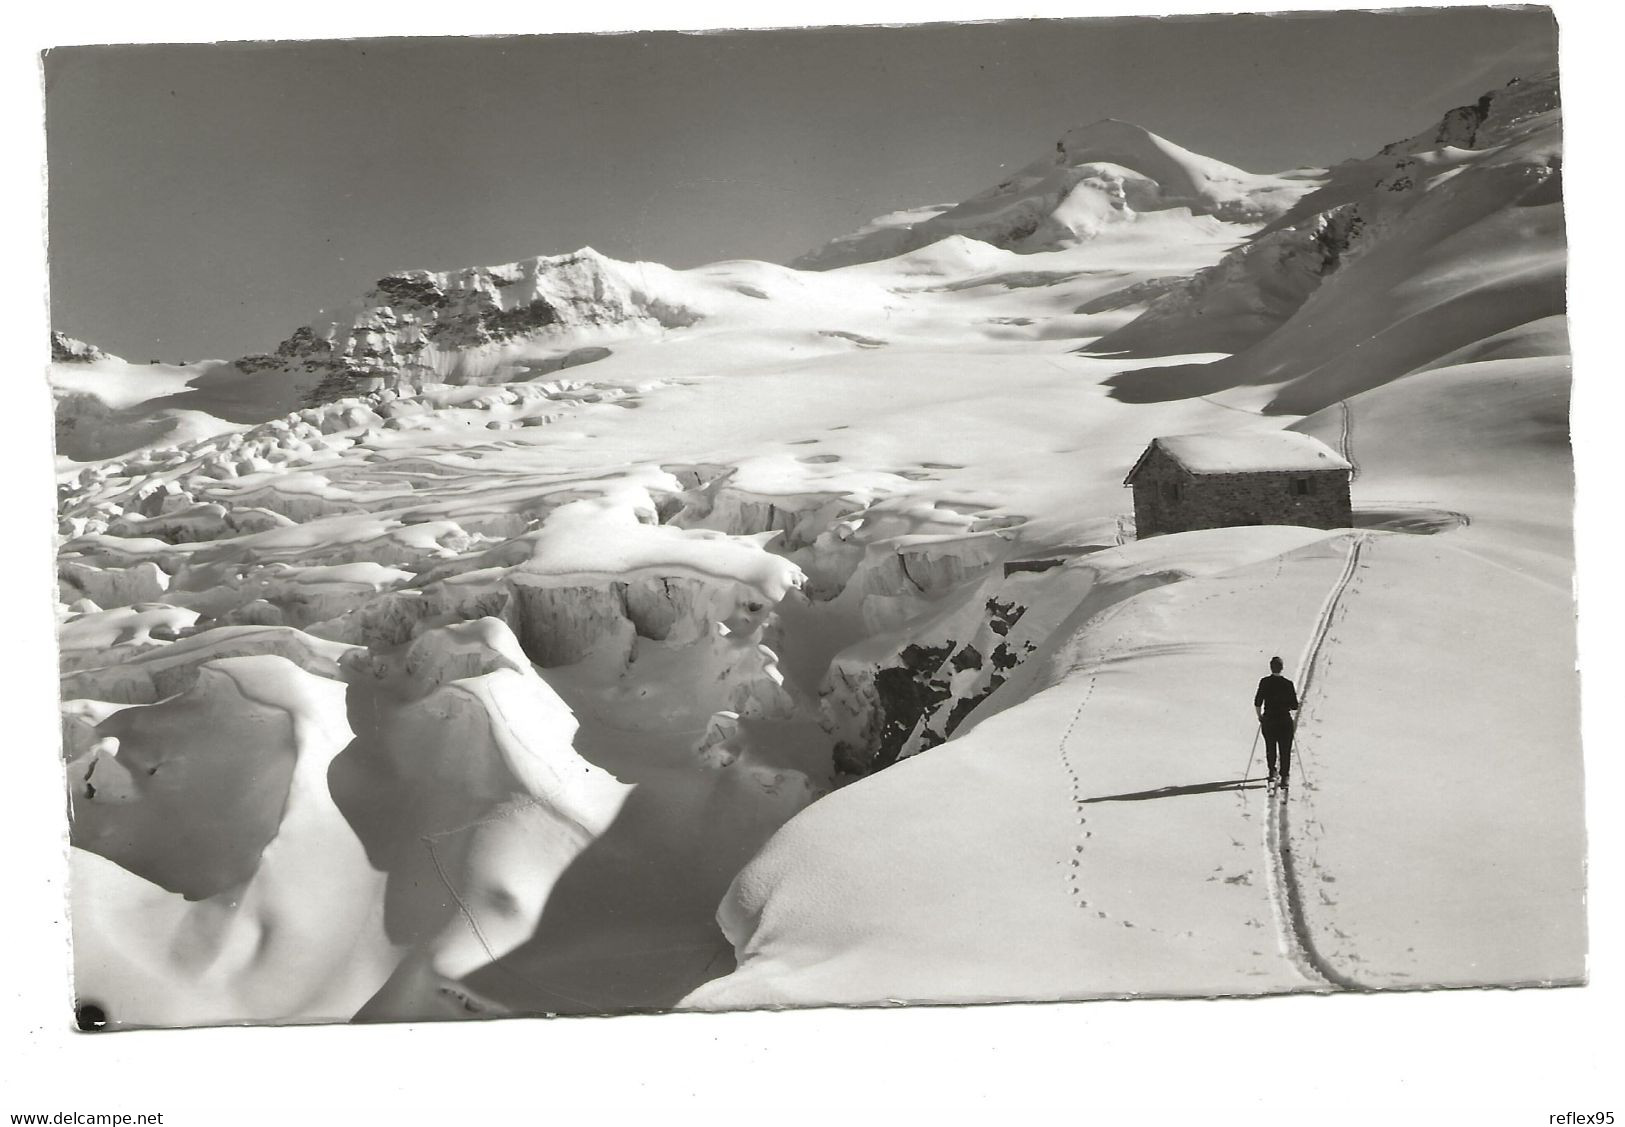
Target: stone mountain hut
[(1188, 481)]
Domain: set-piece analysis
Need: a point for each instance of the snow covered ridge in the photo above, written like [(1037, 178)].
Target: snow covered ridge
[(1379, 271), (1250, 291), (1489, 121), (465, 325), (1100, 178)]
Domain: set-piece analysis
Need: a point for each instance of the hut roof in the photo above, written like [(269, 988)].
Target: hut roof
[(1279, 451)]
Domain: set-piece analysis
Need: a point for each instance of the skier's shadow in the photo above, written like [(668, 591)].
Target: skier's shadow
[(1174, 792)]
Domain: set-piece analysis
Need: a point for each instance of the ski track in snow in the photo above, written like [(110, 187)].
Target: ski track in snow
[(1079, 798), (1286, 893), (1346, 441)]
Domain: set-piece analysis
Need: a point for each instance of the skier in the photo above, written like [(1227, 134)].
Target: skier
[(1275, 702)]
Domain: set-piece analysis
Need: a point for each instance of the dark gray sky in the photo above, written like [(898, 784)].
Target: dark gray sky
[(207, 199)]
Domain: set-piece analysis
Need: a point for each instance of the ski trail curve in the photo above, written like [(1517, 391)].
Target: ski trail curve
[(1346, 440), (1286, 894)]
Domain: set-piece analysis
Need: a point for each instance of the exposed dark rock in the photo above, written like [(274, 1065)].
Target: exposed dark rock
[(1340, 231), (967, 658), (259, 362), (1002, 616), (906, 692), (414, 289), (303, 343), (964, 706), (467, 327), (505, 323), (1003, 658)]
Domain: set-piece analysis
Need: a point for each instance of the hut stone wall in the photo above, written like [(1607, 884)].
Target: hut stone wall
[(1167, 498)]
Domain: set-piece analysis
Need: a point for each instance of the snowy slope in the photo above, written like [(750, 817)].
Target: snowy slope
[(1424, 842), (584, 636), (1099, 839), (107, 407)]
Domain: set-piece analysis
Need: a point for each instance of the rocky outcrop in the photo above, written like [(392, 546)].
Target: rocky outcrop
[(68, 350), (883, 704), (1487, 121), (466, 326)]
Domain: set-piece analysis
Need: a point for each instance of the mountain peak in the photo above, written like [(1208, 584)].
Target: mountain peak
[(1110, 126), (1100, 176), (1181, 172)]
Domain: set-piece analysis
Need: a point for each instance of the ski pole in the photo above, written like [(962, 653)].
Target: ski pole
[(1247, 774)]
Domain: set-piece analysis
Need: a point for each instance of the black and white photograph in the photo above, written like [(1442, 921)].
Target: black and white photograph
[(870, 522)]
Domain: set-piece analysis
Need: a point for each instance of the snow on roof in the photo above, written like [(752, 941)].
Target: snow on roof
[(1255, 452)]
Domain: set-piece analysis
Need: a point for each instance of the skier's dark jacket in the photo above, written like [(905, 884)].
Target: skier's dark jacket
[(1279, 699)]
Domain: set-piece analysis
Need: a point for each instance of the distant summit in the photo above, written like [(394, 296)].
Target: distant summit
[(70, 350), (1100, 176), (1171, 176)]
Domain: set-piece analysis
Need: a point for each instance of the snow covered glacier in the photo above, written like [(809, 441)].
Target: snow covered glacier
[(586, 636)]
